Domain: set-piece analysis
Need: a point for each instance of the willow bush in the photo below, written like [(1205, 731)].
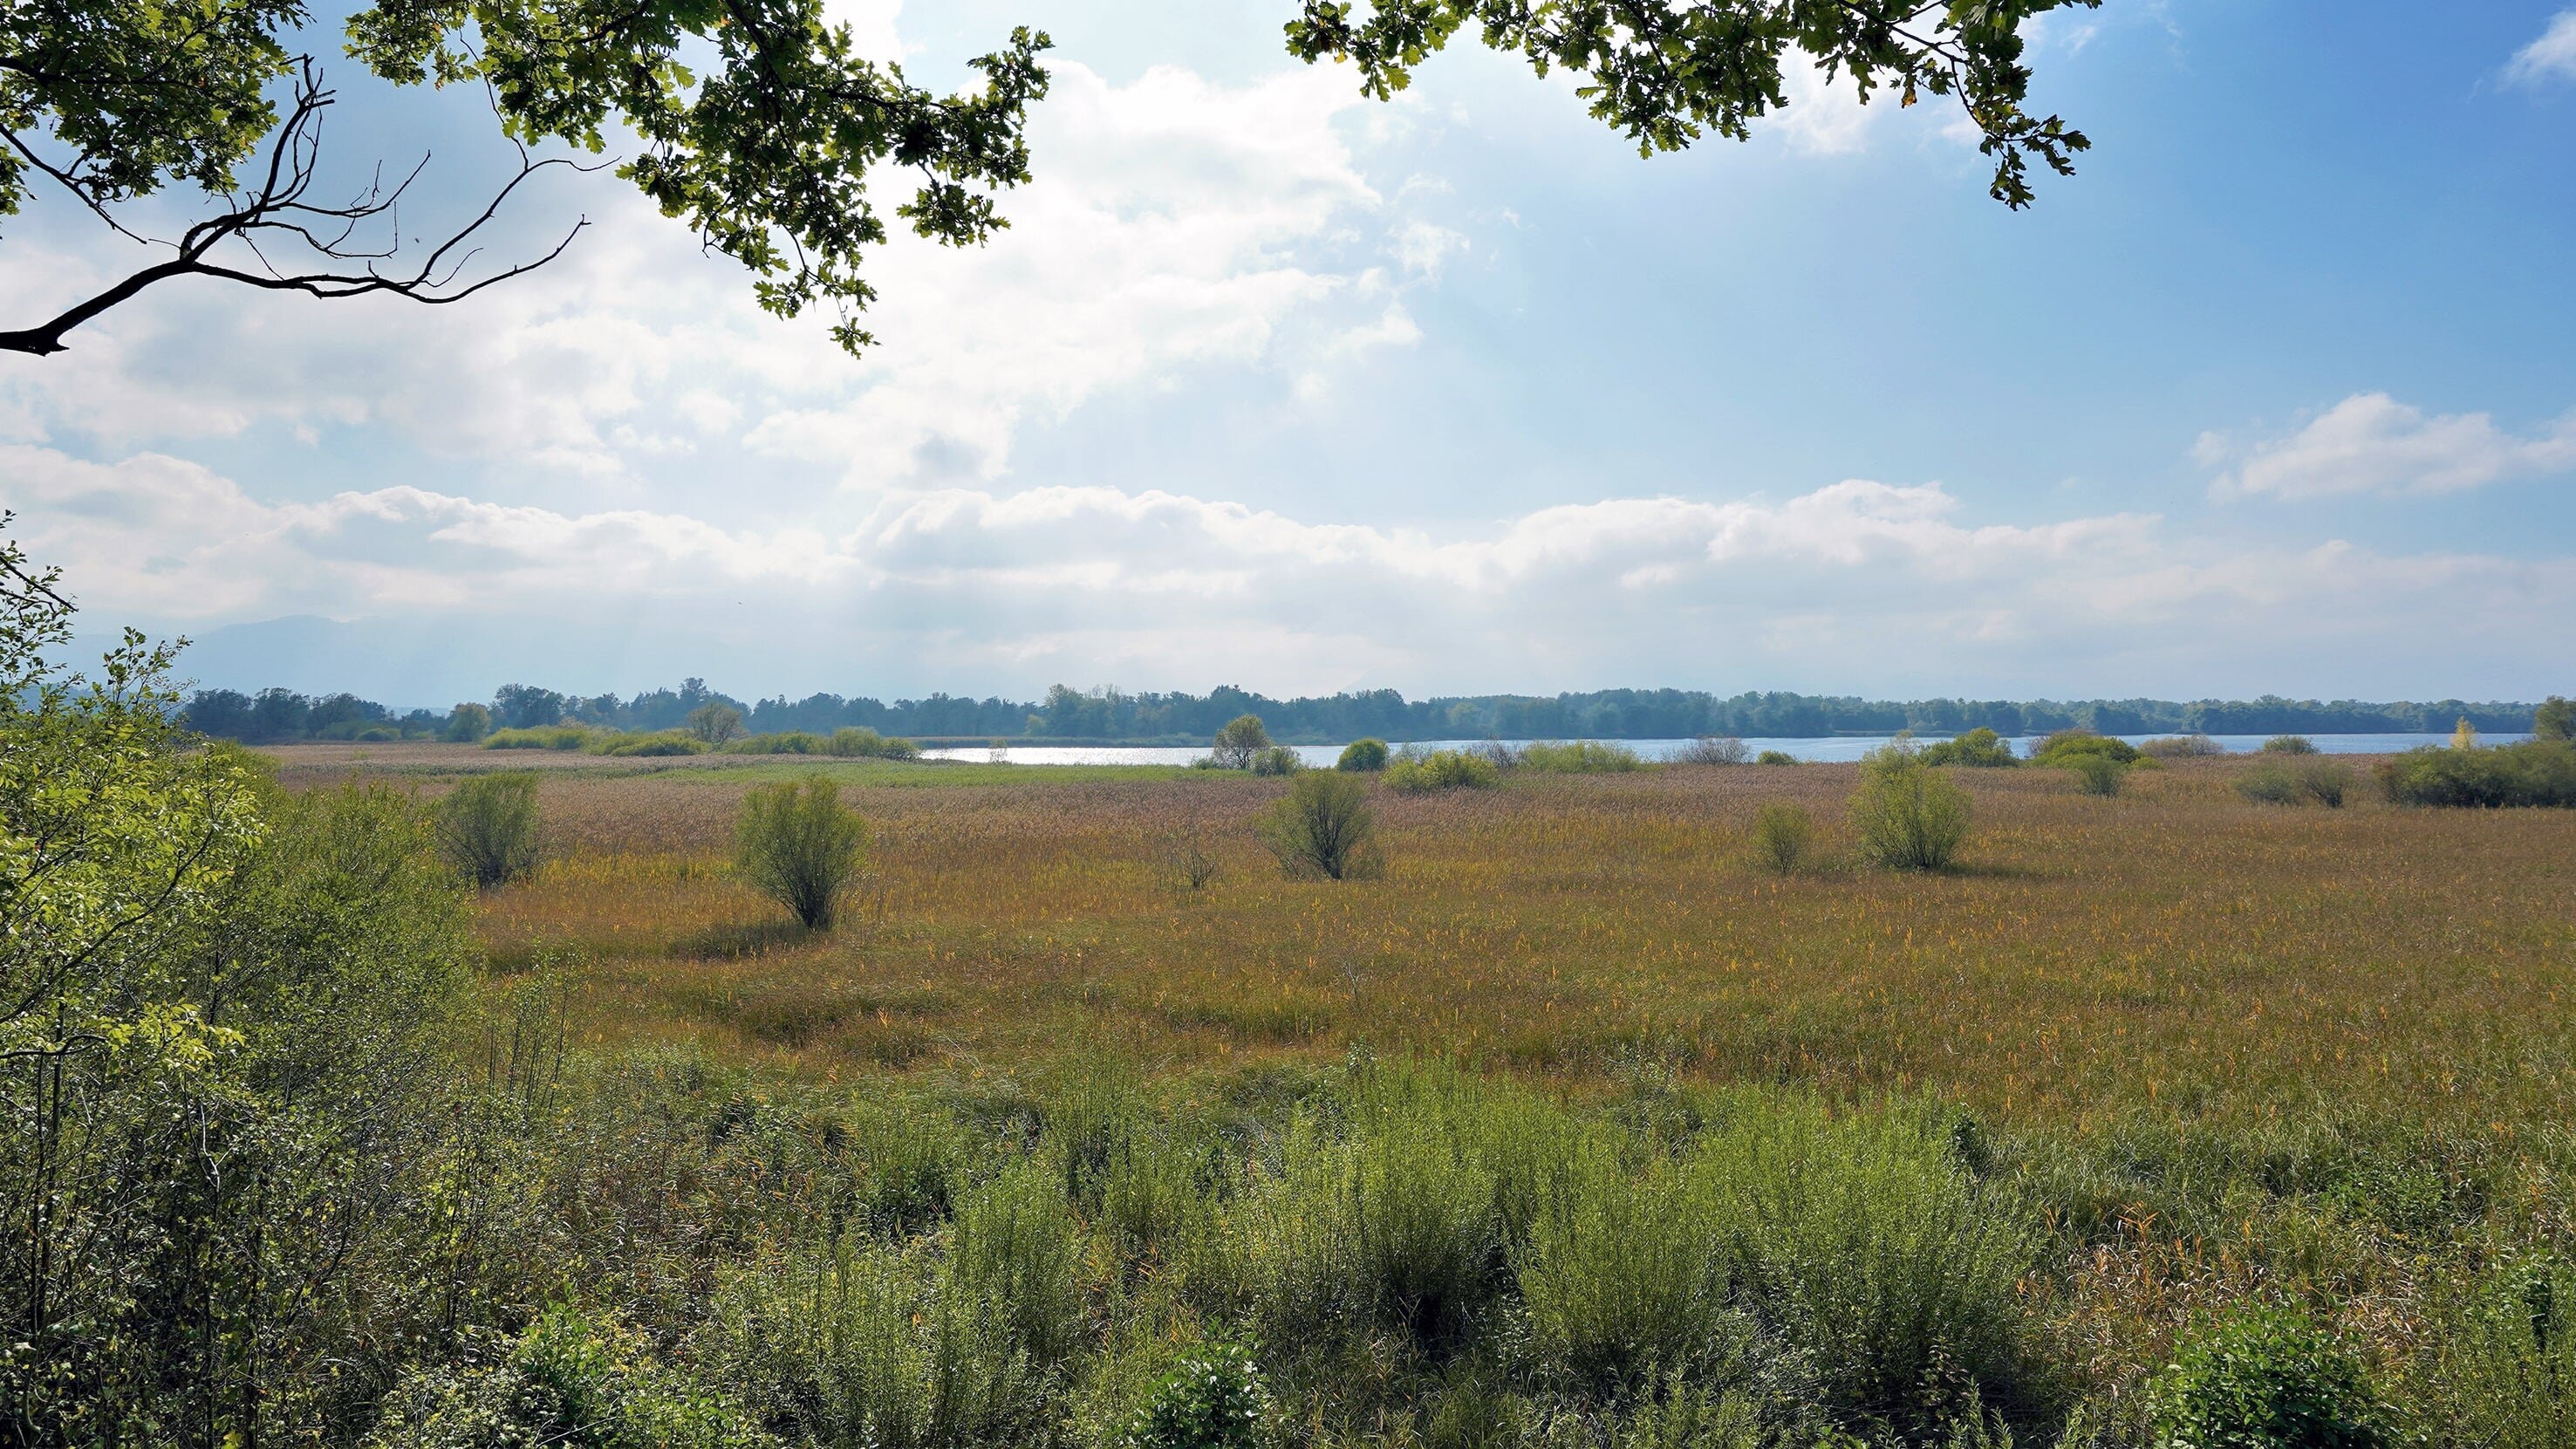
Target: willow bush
[(800, 846)]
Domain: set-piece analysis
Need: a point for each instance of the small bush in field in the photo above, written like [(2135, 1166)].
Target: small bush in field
[(1907, 815), (1324, 829), (488, 827), (852, 741), (2507, 1367), (1714, 750), (1443, 770), (2270, 785), (800, 846), (1243, 737), (1188, 865), (2062, 747), (2182, 747), (660, 742), (1781, 835), (1775, 757), (2265, 1378), (714, 723), (2097, 774), (1579, 757), (1362, 757), (1275, 760), (543, 737), (1979, 748), (2535, 772), (2326, 782), (2289, 745), (1212, 1399)]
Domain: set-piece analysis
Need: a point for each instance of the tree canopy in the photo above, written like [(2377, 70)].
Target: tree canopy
[(758, 123)]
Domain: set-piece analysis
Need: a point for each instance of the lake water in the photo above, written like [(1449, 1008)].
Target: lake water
[(1839, 747)]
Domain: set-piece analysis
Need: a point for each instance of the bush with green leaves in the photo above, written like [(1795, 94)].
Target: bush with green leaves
[(2289, 745), (852, 741), (567, 1381), (2505, 1374), (466, 724), (2065, 745), (1324, 829), (1364, 757), (658, 743), (1782, 834), (2555, 719), (2265, 1377), (2533, 773), (2182, 747), (487, 826), (1979, 748), (1417, 773), (1775, 757), (2096, 774), (1213, 1398), (1622, 1274), (1907, 815), (1242, 738), (799, 845), (1275, 761), (1579, 757), (547, 737)]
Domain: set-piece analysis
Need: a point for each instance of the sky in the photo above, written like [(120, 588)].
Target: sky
[(1273, 385)]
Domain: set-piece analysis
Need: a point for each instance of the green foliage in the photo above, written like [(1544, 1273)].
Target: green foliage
[(547, 737), (2505, 1377), (1907, 815), (1213, 1398), (801, 847), (2265, 1378), (466, 724), (2096, 774), (656, 743), (2065, 746), (1622, 1274), (1782, 834), (1242, 739), (1365, 756), (1415, 773), (2324, 782), (2289, 745), (1324, 829), (1276, 761), (1775, 757), (488, 827), (2535, 772), (1978, 748), (1580, 757), (2182, 747), (2555, 719), (1713, 750), (714, 723), (868, 744), (1712, 66), (568, 1382)]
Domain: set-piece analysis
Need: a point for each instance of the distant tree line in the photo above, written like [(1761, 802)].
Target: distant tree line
[(1108, 714)]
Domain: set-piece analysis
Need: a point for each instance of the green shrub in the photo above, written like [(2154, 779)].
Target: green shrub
[(1622, 1277), (780, 742), (543, 737), (658, 743), (2264, 1378), (2096, 774), (488, 827), (2554, 720), (1243, 737), (1275, 761), (2327, 782), (2505, 1377), (2535, 772), (1978, 748), (2182, 747), (1580, 757), (466, 724), (1324, 829), (858, 742), (1713, 750), (1015, 1247), (1907, 815), (566, 1382), (2289, 745), (1212, 1399), (1362, 757), (1775, 757), (1781, 834), (714, 723), (2270, 785), (2063, 746), (1415, 773), (800, 846)]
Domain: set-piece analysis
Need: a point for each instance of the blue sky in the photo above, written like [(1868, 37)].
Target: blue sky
[(1273, 386)]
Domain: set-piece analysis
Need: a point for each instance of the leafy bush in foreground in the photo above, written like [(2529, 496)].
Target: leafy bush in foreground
[(1363, 756), (1781, 835), (1212, 1399), (2535, 772), (1442, 770), (1324, 829), (800, 846), (1906, 814), (1979, 748), (488, 827), (2265, 1378), (1579, 757)]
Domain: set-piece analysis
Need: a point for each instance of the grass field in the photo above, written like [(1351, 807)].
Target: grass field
[(2224, 1049)]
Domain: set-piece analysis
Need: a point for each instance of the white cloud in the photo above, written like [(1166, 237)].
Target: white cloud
[(2372, 443), (2551, 57), (963, 587), (1825, 117)]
